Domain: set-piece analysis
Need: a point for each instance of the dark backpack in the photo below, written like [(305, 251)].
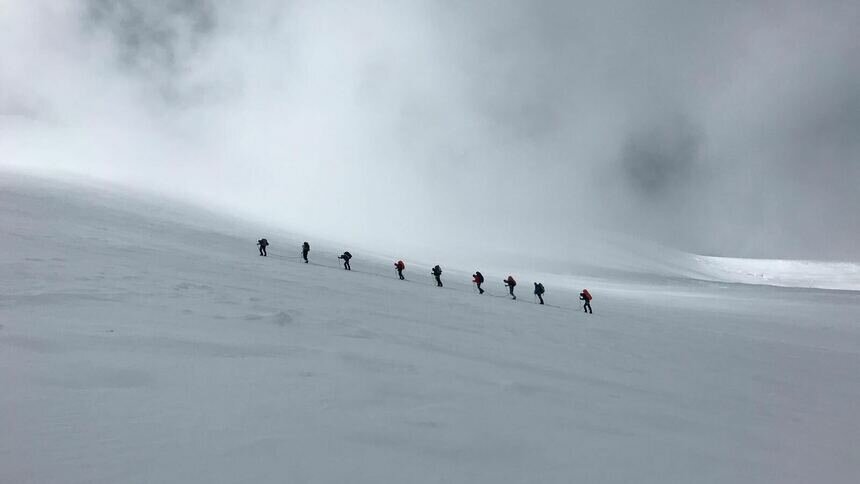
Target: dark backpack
[(347, 255), (264, 242), (437, 270), (480, 277), (539, 288)]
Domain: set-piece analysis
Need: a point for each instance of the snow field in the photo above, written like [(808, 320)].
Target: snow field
[(150, 344)]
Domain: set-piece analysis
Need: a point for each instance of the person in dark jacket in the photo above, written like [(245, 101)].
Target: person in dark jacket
[(306, 247), (263, 243), (539, 290), (346, 257), (399, 266), (437, 273), (511, 283), (586, 296), (478, 279)]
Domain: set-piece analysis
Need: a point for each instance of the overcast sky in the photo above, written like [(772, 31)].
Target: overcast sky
[(728, 128)]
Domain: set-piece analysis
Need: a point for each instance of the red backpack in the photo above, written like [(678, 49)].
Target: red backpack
[(400, 265), (586, 295)]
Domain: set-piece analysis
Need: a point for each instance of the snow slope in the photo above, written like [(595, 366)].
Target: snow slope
[(786, 273), (149, 343)]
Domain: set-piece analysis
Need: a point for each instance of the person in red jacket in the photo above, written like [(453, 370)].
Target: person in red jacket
[(586, 296), (510, 282), (399, 266), (478, 279)]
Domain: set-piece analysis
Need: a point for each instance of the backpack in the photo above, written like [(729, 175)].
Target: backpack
[(306, 246), (539, 288), (437, 270), (264, 242), (586, 295), (400, 265), (347, 255), (511, 282), (480, 277)]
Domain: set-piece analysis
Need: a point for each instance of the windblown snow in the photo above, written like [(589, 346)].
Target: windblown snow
[(150, 343), (787, 273)]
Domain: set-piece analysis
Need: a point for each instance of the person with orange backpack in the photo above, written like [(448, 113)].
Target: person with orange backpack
[(399, 266), (510, 282), (586, 296)]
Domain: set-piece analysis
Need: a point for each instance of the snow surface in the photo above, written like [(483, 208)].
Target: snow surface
[(786, 273), (149, 343)]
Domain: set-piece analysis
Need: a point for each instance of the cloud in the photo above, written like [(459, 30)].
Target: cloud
[(726, 128), (661, 157)]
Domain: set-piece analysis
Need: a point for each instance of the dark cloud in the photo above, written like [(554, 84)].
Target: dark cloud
[(156, 34), (159, 40), (661, 157)]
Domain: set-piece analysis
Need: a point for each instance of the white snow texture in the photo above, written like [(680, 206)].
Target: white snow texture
[(147, 343)]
